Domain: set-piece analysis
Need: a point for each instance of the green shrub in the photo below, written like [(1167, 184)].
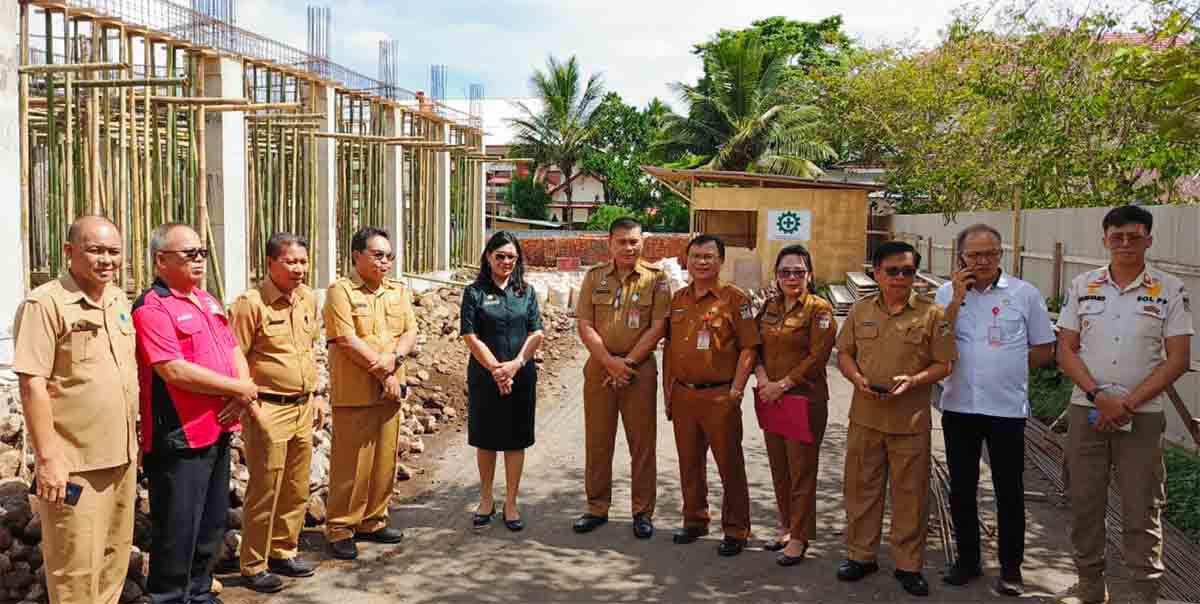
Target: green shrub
[(1049, 393), (1183, 490)]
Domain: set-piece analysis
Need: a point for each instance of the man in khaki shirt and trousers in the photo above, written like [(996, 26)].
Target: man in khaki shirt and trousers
[(893, 347), (276, 325), (370, 327), (79, 392), (622, 310)]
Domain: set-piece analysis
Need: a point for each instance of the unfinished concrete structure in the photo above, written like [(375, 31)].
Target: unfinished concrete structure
[(151, 111)]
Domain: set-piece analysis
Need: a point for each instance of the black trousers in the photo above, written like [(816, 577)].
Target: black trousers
[(189, 510), (965, 434)]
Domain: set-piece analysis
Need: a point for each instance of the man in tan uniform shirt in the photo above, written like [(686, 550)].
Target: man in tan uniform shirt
[(276, 325), (621, 313), (79, 391), (711, 347), (893, 347), (370, 327)]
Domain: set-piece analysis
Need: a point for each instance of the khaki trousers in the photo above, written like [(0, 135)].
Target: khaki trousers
[(873, 459), (703, 419), (1141, 478), (278, 458), (794, 468), (362, 469), (86, 546), (637, 405)]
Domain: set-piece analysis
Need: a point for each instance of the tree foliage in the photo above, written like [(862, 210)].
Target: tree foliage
[(621, 146), (528, 198)]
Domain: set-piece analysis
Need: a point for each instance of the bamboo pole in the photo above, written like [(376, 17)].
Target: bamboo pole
[(24, 143), (254, 107), (128, 83), (1017, 247), (72, 68), (69, 154), (202, 184)]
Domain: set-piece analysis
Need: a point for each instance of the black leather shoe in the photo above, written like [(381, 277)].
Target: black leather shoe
[(853, 570), (643, 527), (589, 522), (785, 560), (481, 520), (913, 583), (264, 582), (383, 535), (960, 574), (515, 525), (689, 534), (291, 567), (775, 546), (731, 547), (344, 549)]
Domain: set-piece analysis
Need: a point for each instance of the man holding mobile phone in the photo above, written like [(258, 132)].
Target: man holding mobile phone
[(893, 347), (74, 356), (1003, 330)]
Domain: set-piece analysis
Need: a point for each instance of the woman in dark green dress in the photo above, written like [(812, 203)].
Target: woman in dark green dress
[(502, 327)]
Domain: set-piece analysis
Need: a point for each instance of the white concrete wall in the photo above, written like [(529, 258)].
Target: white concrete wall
[(326, 269), (585, 188), (225, 150), (13, 273)]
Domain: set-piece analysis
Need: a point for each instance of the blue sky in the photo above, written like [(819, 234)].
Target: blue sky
[(639, 46)]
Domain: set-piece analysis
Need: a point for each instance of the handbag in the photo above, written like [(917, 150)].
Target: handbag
[(786, 417)]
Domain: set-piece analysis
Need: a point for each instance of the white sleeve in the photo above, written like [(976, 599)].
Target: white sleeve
[(1179, 314), (945, 293), (1038, 321), (1068, 317)]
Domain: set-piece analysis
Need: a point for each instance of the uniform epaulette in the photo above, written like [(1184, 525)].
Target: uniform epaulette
[(649, 266), (601, 266)]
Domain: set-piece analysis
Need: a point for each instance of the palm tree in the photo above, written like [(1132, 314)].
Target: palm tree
[(561, 132), (737, 119)]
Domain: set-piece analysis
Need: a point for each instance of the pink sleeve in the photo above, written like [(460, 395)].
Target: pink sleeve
[(157, 341)]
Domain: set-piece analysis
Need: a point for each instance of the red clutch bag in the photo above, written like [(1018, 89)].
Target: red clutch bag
[(786, 417)]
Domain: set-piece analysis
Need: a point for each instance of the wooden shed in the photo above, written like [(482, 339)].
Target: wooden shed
[(759, 214)]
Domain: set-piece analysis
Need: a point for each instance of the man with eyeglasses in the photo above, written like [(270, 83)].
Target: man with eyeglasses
[(711, 346), (276, 325), (1003, 330), (74, 357), (893, 347), (622, 312), (195, 384), (370, 327), (1124, 336)]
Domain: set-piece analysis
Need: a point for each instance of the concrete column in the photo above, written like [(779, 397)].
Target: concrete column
[(225, 151), (14, 275), (482, 201), (443, 205), (393, 191), (326, 269)]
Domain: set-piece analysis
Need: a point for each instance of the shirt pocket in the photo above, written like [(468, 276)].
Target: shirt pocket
[(191, 340), (276, 330), (1150, 320), (722, 333), (1090, 312), (602, 304), (1012, 326), (916, 335), (364, 320), (396, 318), (84, 344)]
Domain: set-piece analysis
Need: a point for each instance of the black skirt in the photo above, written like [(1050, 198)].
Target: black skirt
[(500, 423)]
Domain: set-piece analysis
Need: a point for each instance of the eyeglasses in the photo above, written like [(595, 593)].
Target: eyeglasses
[(191, 254), (378, 256), (99, 250), (1125, 239), (787, 273), (505, 257), (985, 255), (896, 271), (702, 257)]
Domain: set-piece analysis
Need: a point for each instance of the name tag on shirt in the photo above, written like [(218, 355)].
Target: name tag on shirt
[(704, 340), (994, 337), (633, 320), (491, 300)]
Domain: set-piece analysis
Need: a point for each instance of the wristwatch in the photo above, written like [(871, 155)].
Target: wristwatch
[(1091, 395)]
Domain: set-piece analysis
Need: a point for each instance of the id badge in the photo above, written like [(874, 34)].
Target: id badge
[(703, 340), (633, 320), (993, 336)]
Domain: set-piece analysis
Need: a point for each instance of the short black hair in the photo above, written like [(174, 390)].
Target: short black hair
[(704, 238), (623, 223), (281, 240), (358, 243), (893, 248), (1121, 216), (799, 250)]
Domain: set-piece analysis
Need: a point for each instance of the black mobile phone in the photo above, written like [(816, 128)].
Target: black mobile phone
[(73, 492), (880, 389)]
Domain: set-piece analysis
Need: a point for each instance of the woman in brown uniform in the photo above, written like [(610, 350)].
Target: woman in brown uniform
[(798, 332)]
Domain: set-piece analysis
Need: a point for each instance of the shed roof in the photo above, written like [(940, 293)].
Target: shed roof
[(675, 179)]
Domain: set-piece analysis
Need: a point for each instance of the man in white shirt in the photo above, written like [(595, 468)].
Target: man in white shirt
[(1002, 329), (1124, 336)]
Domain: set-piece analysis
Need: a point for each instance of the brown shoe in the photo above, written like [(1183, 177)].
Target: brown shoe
[(1086, 591)]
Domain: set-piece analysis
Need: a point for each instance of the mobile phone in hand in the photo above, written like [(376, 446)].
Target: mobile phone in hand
[(880, 389), (73, 492)]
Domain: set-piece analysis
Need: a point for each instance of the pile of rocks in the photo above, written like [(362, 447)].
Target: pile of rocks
[(437, 400)]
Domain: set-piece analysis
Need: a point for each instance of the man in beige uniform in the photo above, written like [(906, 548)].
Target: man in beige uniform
[(893, 347), (622, 312), (276, 325), (370, 328), (1124, 336), (79, 391)]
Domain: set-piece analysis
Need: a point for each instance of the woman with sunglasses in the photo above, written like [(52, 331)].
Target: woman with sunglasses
[(798, 332), (502, 327)]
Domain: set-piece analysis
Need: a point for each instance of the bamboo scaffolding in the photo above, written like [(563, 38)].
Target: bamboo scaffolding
[(71, 67)]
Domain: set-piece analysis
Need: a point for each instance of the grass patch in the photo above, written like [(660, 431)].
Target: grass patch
[(1049, 395)]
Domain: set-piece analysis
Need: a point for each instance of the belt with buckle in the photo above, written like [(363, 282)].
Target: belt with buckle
[(705, 385), (282, 399)]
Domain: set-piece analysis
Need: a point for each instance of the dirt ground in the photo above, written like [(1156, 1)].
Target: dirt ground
[(443, 560)]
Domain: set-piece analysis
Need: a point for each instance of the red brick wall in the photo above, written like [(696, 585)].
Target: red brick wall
[(593, 249)]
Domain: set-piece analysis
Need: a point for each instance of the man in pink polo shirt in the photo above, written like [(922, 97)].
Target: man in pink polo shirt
[(194, 385)]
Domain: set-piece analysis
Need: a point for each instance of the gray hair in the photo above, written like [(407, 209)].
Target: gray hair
[(158, 238), (975, 229)]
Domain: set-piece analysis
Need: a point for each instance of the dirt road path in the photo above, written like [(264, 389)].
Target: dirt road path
[(443, 561)]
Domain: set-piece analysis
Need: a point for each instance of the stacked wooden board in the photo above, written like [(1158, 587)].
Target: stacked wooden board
[(860, 285), (842, 299)]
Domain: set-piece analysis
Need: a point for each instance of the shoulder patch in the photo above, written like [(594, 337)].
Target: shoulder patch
[(824, 320), (943, 328), (745, 311)]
